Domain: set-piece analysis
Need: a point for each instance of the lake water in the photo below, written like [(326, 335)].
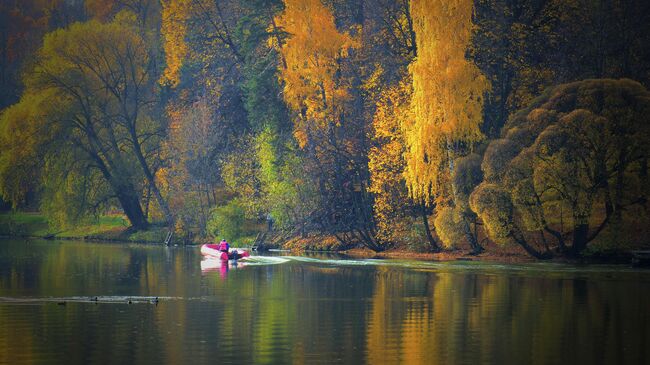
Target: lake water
[(310, 310)]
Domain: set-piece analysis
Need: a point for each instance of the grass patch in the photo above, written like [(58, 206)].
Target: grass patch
[(23, 224), (109, 227), (153, 234)]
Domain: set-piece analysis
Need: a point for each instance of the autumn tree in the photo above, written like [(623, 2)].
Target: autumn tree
[(580, 148), (447, 99), (174, 30), (223, 56), (312, 54), (316, 87), (525, 47), (386, 162), (190, 174), (393, 208), (388, 47), (93, 84)]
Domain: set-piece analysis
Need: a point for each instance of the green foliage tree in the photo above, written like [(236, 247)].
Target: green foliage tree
[(285, 194), (227, 221), (458, 223), (88, 96), (580, 148)]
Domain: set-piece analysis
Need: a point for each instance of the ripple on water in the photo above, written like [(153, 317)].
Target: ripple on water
[(483, 266), (265, 260)]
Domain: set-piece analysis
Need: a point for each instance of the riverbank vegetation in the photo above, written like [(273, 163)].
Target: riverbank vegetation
[(104, 228), (414, 125)]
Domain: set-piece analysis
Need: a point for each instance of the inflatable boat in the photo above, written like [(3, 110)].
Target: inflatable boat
[(211, 250)]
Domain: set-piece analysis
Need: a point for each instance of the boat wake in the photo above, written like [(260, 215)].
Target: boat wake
[(442, 266), (266, 260)]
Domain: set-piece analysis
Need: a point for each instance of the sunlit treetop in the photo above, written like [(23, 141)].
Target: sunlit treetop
[(173, 28), (312, 52)]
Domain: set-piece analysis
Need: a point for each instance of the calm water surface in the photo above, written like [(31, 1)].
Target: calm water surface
[(280, 310)]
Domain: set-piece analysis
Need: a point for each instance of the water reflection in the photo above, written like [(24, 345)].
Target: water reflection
[(209, 265), (285, 310)]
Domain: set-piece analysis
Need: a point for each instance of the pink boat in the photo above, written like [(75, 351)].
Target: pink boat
[(212, 250)]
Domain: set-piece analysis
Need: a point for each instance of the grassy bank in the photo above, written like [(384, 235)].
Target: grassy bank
[(106, 228)]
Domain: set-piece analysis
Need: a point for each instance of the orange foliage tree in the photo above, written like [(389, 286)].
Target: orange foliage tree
[(312, 54)]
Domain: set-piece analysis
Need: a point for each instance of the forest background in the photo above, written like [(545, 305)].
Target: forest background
[(419, 125)]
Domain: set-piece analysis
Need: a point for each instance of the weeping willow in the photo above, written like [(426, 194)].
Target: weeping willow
[(447, 100)]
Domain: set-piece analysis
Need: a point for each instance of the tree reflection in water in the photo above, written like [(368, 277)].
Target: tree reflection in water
[(311, 311)]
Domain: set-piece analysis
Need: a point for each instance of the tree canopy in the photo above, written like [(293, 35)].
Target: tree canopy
[(87, 96), (391, 124), (581, 148)]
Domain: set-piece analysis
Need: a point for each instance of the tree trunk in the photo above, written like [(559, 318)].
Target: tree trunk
[(125, 193), (619, 188), (643, 174), (530, 249), (151, 179), (147, 202), (471, 238), (427, 230), (580, 239), (131, 207)]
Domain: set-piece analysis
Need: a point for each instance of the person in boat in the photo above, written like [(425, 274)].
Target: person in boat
[(224, 246)]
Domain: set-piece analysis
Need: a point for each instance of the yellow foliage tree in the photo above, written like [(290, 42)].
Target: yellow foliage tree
[(393, 209), (386, 160), (174, 27), (447, 98), (312, 54)]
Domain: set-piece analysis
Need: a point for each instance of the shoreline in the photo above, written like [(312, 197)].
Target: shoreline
[(92, 239), (621, 258), (492, 253), (112, 229)]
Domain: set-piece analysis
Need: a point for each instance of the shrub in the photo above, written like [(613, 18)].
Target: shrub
[(448, 227), (227, 221)]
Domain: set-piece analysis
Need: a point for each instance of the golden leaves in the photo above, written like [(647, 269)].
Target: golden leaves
[(447, 94), (312, 54), (385, 159), (173, 28)]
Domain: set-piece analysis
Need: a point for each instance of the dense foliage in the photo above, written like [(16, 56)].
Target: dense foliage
[(567, 166), (386, 123)]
